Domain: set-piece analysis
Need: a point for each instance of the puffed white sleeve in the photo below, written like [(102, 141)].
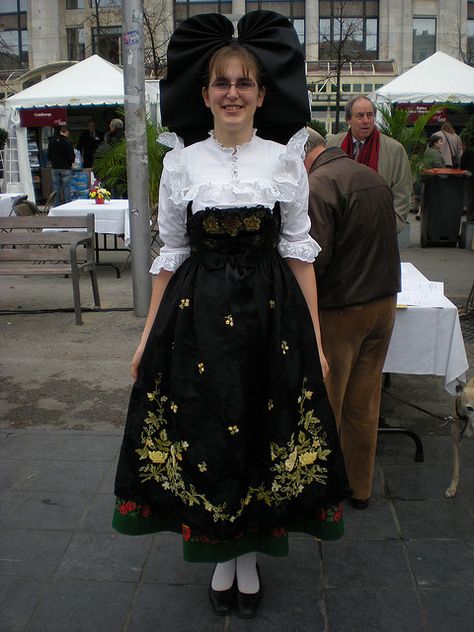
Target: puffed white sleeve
[(171, 223), (295, 241)]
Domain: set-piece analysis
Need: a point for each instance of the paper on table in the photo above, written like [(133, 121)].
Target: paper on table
[(422, 293)]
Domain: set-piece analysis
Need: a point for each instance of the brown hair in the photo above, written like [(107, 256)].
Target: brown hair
[(220, 60), (447, 127)]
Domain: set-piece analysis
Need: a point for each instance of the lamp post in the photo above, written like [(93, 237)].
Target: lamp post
[(137, 157)]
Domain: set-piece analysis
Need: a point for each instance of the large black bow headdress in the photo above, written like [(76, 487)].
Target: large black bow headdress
[(272, 40)]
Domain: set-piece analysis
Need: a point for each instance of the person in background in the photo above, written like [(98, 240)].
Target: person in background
[(61, 154), (116, 131), (358, 277), (365, 144), (88, 142), (451, 145), (432, 157)]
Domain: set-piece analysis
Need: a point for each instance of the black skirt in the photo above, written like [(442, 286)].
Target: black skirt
[(230, 437)]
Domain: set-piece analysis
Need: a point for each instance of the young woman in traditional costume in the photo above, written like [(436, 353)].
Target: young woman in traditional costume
[(230, 438)]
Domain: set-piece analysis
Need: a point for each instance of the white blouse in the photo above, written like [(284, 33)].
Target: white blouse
[(259, 172)]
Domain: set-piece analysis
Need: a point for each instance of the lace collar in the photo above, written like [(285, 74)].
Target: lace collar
[(234, 149)]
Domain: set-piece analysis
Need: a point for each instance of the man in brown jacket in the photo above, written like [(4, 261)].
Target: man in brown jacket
[(358, 276)]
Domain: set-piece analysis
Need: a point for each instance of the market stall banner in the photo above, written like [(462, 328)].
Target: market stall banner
[(43, 117)]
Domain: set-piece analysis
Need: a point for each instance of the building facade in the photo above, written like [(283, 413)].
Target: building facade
[(371, 41)]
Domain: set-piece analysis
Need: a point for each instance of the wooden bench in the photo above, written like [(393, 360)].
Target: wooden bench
[(27, 249)]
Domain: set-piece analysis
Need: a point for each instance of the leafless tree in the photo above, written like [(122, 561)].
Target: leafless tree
[(156, 30), (341, 45)]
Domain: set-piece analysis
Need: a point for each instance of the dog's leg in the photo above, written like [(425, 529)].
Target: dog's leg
[(455, 435)]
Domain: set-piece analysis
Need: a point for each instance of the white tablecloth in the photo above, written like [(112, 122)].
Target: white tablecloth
[(111, 217), (427, 340), (6, 202)]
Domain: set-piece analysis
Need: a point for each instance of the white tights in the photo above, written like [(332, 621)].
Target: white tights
[(245, 567)]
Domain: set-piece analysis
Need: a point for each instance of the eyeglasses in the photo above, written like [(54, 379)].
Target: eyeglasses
[(241, 85)]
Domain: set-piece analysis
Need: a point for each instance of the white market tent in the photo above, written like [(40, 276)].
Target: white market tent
[(436, 79), (91, 82)]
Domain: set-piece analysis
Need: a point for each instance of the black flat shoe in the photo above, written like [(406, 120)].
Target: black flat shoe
[(247, 605), (358, 503), (222, 600)]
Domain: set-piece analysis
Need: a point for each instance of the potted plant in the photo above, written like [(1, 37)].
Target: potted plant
[(99, 193)]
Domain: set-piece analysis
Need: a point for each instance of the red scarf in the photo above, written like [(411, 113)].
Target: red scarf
[(369, 153)]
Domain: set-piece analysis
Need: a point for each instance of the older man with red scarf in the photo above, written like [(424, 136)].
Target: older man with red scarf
[(383, 154)]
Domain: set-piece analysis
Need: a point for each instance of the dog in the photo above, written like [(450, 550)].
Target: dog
[(463, 426)]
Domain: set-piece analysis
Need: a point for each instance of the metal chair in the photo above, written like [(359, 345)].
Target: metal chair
[(25, 207), (49, 202)]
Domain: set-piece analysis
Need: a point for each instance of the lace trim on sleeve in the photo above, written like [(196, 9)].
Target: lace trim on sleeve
[(306, 250), (169, 261), (170, 139), (289, 167)]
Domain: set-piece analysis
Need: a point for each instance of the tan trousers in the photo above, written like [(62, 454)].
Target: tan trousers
[(355, 342)]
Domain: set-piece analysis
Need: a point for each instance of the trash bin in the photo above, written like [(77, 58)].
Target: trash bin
[(441, 206)]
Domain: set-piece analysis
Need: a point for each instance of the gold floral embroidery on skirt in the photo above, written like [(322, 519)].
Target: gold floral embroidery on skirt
[(294, 465)]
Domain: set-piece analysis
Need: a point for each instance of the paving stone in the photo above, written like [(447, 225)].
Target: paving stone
[(65, 476), (395, 449), (165, 564), (44, 510), (89, 447), (107, 484), (19, 596), (31, 553), (377, 522), (30, 445), (20, 473), (448, 518), (378, 490), (364, 564), (99, 513), (417, 482), (449, 609), (285, 610), (466, 450), (105, 557), (390, 610), (442, 563), (302, 567), (77, 606), (175, 608)]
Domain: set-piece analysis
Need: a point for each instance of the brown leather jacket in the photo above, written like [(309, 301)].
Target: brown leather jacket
[(353, 220)]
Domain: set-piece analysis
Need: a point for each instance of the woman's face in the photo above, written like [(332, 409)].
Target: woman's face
[(233, 109)]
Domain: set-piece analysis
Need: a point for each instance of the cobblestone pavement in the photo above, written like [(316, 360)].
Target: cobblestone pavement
[(405, 564)]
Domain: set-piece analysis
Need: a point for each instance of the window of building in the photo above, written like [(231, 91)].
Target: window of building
[(424, 38), (13, 49), (357, 87), (107, 43), (346, 87), (75, 4), (11, 6), (294, 10), (75, 44), (349, 28), (107, 3), (367, 87), (184, 9), (299, 28)]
